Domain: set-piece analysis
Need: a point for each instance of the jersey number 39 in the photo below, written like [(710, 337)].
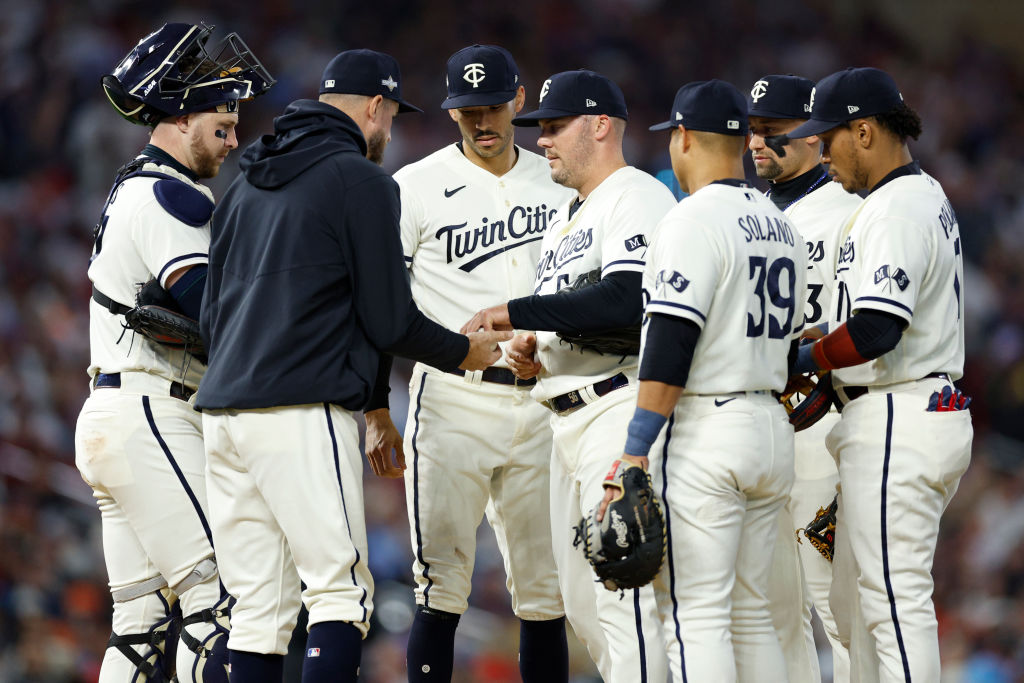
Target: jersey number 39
[(769, 283)]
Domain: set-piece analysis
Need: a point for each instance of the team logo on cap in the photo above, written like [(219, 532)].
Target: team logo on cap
[(544, 90), (759, 90), (389, 83), (474, 74), (810, 105)]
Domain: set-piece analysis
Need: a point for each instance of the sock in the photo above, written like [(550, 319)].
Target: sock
[(431, 650), (543, 651), (333, 650), (251, 667)]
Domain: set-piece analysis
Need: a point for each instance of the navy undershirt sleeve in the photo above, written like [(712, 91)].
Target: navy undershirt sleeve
[(187, 290), (382, 385), (875, 333), (668, 349), (613, 303)]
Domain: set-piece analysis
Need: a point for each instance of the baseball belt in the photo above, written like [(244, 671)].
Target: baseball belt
[(113, 380), (499, 376), (574, 400), (853, 392)]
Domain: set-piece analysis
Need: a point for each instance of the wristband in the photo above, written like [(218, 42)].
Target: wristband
[(643, 430)]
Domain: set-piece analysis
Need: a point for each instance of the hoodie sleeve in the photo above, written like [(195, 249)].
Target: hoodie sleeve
[(384, 306)]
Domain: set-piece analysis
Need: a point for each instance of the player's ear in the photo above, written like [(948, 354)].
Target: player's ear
[(863, 129), (183, 122), (602, 126), (746, 143), (520, 99), (374, 107), (454, 114)]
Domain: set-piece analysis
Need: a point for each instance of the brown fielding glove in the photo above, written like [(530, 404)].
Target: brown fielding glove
[(821, 532), (815, 395), (626, 549)]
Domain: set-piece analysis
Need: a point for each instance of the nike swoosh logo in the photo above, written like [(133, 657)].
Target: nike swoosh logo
[(719, 402), (449, 193)]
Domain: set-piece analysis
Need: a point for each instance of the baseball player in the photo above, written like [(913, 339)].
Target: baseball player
[(800, 188), (724, 286), (605, 228), (895, 345), (139, 443), (473, 216), (309, 230)]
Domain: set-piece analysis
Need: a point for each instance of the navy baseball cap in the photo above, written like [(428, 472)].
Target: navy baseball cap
[(781, 97), (848, 95), (713, 106), (572, 93), (479, 76), (365, 72)]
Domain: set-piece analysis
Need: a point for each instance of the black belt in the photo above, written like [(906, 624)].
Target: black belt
[(113, 379), (500, 376), (566, 403), (855, 391)]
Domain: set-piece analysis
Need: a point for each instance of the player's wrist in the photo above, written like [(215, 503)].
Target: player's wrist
[(643, 431)]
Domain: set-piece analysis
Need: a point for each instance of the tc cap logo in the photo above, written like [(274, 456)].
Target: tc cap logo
[(759, 90), (389, 83), (474, 74), (544, 90)]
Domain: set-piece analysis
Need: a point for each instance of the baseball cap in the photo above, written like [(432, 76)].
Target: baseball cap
[(365, 72), (847, 95), (481, 75), (781, 97), (713, 106), (571, 93)]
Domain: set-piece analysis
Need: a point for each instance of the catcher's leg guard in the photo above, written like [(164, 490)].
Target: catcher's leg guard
[(142, 656), (203, 656)]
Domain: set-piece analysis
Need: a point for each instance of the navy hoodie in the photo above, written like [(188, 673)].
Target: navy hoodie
[(306, 282)]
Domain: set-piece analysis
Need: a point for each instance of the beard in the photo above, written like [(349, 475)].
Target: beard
[(375, 147), (771, 171), (205, 164)]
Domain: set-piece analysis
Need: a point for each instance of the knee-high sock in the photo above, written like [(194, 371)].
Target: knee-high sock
[(543, 651), (431, 646)]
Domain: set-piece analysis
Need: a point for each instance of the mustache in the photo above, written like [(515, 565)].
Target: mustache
[(486, 133)]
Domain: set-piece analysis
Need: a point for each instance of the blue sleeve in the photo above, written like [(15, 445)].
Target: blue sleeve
[(875, 333), (188, 290), (668, 349), (384, 307), (613, 303)]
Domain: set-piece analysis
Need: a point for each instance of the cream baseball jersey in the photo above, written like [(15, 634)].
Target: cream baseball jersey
[(727, 259), (820, 216), (901, 254), (462, 255), (140, 240), (611, 230)]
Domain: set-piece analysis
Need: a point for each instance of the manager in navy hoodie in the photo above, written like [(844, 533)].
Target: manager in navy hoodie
[(306, 288)]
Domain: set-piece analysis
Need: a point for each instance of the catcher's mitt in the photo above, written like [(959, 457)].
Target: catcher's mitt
[(627, 548), (815, 395), (156, 316), (821, 532), (618, 342)]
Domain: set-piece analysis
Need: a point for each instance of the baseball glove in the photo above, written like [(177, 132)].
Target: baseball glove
[(618, 342), (626, 549), (815, 395), (156, 316), (821, 532)]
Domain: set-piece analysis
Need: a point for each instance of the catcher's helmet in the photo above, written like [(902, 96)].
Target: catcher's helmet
[(171, 72)]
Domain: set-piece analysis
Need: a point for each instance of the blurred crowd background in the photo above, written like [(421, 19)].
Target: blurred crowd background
[(961, 65)]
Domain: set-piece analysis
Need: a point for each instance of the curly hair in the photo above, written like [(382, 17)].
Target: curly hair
[(902, 121)]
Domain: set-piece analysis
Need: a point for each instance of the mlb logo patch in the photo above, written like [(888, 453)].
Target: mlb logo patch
[(329, 83), (901, 279), (313, 652), (635, 242)]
